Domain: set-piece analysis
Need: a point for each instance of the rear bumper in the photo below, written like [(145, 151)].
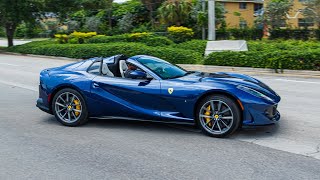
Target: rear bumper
[(41, 106)]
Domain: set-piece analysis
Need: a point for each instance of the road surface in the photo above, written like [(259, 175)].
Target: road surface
[(33, 145)]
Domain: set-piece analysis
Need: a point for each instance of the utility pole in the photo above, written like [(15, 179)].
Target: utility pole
[(211, 21), (203, 26)]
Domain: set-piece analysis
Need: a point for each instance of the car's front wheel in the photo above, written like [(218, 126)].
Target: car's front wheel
[(218, 116), (69, 107)]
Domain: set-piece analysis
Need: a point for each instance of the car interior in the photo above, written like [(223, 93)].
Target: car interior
[(116, 68)]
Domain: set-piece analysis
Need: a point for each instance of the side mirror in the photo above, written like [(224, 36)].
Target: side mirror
[(138, 75)]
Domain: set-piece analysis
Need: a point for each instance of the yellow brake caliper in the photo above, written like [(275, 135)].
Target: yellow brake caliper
[(76, 102), (207, 113)]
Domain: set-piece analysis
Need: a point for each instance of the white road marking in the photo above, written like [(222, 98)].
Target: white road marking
[(9, 64), (289, 80), (31, 88)]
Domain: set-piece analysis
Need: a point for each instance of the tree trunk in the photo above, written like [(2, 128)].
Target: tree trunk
[(10, 29), (151, 15), (110, 17)]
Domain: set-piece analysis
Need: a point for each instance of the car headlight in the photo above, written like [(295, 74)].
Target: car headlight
[(254, 92)]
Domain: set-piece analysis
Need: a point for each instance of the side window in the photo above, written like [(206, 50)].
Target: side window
[(94, 68)]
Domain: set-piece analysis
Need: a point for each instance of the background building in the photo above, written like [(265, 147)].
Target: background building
[(241, 13), (295, 18)]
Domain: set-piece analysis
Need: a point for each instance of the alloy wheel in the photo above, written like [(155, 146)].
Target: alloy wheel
[(216, 116), (68, 107)]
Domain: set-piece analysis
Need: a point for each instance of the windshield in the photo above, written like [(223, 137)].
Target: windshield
[(162, 68)]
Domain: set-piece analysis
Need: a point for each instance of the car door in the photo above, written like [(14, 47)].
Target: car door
[(178, 100), (120, 97)]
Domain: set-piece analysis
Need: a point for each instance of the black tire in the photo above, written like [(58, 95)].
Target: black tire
[(234, 112), (81, 119)]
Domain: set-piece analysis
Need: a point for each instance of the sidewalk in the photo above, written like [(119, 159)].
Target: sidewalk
[(4, 42)]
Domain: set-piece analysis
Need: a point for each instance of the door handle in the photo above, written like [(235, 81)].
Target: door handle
[(95, 85)]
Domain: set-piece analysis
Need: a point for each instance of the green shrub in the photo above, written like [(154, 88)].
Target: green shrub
[(109, 39), (317, 34), (82, 37), (222, 34), (180, 34), (297, 34), (286, 59), (247, 33), (173, 55), (277, 54), (145, 38), (275, 45), (195, 45), (157, 41), (2, 32), (61, 38), (141, 28)]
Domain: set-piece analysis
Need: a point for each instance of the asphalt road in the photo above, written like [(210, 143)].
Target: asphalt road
[(33, 145)]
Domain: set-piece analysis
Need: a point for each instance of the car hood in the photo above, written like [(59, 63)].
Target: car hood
[(232, 78)]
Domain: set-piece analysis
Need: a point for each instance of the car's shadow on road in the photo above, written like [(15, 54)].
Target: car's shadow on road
[(245, 132), (125, 125)]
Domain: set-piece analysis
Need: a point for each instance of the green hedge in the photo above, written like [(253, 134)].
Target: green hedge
[(275, 45), (195, 45), (285, 59), (173, 55), (2, 32), (151, 40), (297, 34), (246, 33), (317, 34), (235, 33), (277, 54)]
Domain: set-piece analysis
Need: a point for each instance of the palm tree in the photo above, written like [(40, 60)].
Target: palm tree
[(151, 6), (175, 12)]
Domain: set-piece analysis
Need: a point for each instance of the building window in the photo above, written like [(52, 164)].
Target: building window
[(305, 22), (258, 7), (242, 5), (243, 24)]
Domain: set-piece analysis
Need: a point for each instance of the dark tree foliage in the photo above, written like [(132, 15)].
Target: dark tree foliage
[(14, 12)]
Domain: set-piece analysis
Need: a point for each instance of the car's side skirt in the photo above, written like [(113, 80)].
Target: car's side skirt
[(135, 119)]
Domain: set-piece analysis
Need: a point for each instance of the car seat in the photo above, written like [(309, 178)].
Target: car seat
[(115, 68), (106, 71), (123, 67)]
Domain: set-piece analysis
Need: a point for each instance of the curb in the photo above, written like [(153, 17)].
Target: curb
[(210, 68)]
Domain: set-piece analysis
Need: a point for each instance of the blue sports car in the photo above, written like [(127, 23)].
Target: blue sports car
[(148, 88)]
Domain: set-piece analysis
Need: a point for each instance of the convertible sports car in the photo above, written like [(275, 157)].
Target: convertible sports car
[(148, 88)]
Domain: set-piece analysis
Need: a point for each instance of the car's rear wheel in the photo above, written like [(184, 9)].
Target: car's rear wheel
[(218, 116), (69, 107)]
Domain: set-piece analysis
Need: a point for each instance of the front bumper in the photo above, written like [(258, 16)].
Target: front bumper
[(261, 114)]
